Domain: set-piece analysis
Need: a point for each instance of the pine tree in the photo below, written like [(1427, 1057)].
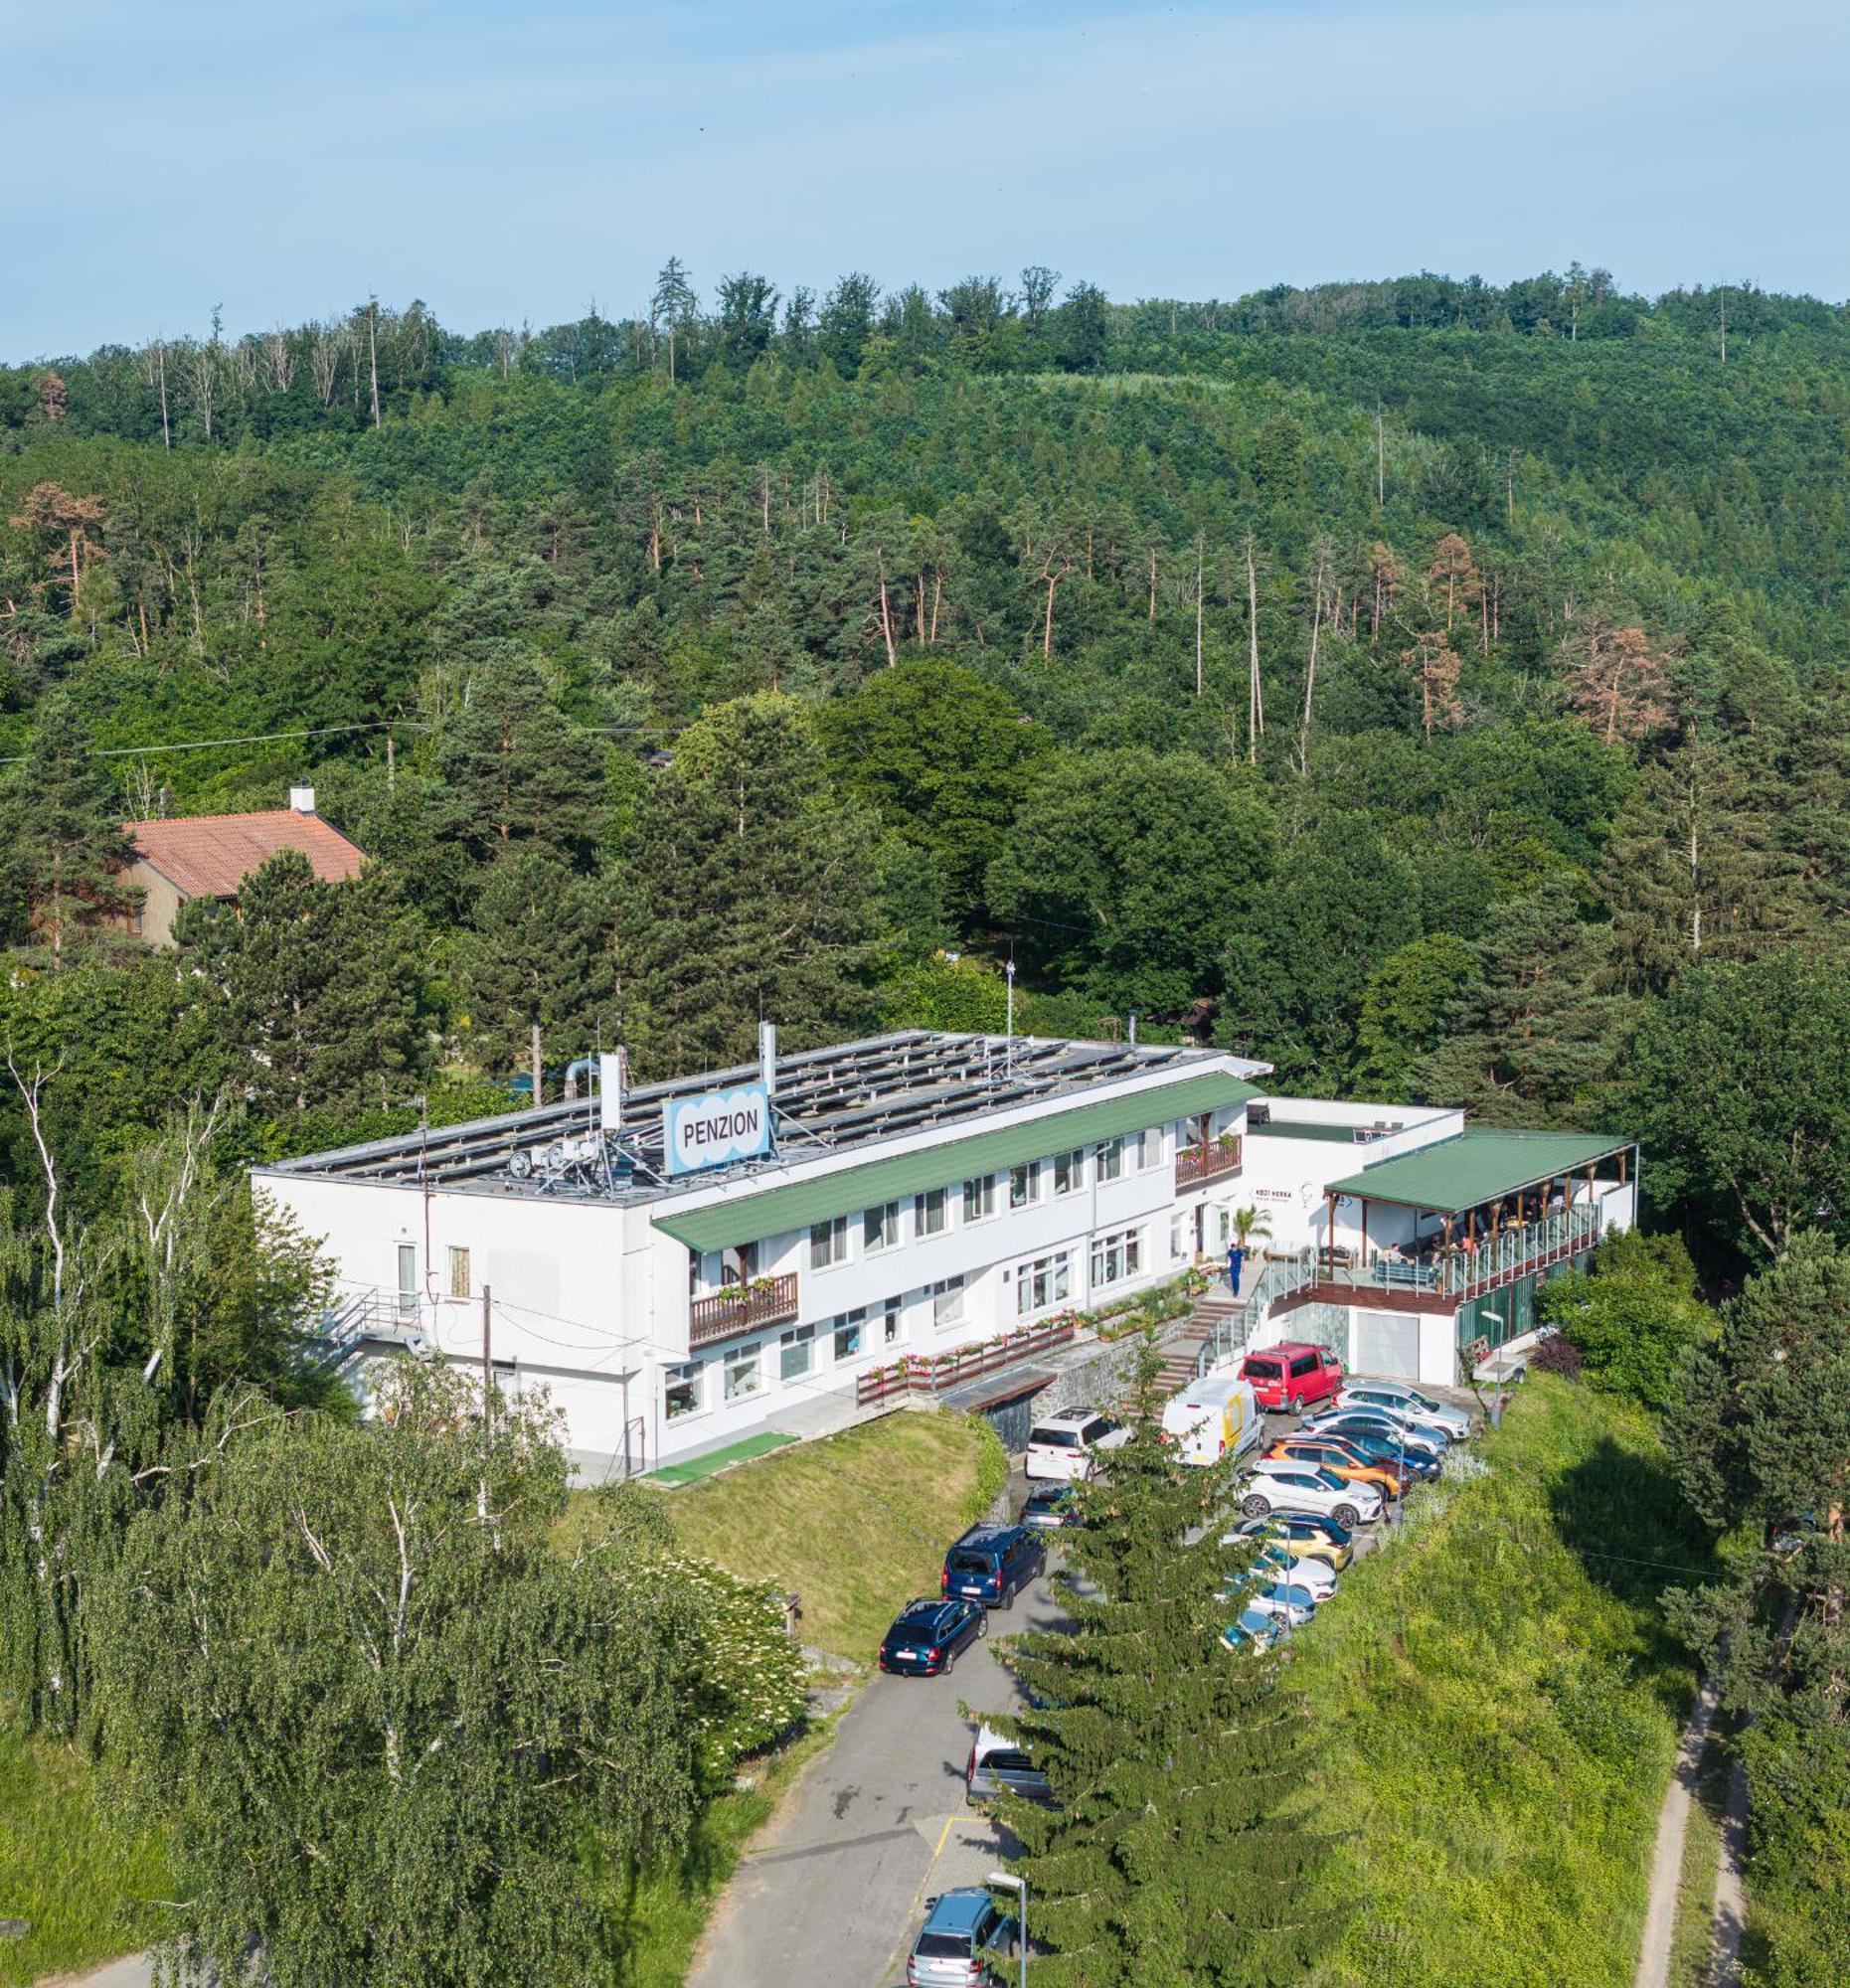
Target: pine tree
[(62, 842), (315, 985), (1176, 1854), (751, 894), (513, 767), (529, 966)]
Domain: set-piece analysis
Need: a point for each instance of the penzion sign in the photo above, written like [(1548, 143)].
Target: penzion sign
[(717, 1126)]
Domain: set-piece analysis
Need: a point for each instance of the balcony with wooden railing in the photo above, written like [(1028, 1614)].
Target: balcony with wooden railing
[(765, 1301), (1217, 1159)]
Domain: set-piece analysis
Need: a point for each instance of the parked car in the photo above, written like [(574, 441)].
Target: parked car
[(930, 1635), (993, 1563), (1290, 1600), (1303, 1536), (1406, 1459), (1334, 1453), (1050, 1506), (1257, 1629), (1068, 1445), (963, 1931), (1274, 1560), (1401, 1400), (1293, 1377), (1002, 1766), (1279, 1485), (1213, 1418), (1423, 1439)]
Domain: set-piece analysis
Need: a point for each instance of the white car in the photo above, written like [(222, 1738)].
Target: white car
[(1292, 1601), (1396, 1398), (1274, 1564), (1068, 1445), (1280, 1484)]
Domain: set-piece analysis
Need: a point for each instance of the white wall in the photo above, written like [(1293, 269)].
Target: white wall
[(1285, 1177)]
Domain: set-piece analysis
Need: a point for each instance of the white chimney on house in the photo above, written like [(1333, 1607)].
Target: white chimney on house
[(301, 801)]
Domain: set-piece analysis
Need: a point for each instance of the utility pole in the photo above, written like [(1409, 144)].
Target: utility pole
[(489, 1365)]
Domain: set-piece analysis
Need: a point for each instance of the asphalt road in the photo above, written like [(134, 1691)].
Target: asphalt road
[(834, 1889)]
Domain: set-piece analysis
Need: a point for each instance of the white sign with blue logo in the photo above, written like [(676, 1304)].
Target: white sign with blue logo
[(717, 1126)]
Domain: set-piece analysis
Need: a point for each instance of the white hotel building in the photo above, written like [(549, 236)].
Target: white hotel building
[(925, 1192), (921, 1193)]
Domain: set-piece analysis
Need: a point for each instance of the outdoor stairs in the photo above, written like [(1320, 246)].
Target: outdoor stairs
[(1182, 1352)]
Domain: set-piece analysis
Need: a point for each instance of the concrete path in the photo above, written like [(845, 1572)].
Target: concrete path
[(1731, 1900), (1660, 1917), (134, 1970), (831, 1892)]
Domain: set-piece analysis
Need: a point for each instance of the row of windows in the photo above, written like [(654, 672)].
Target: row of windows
[(740, 1372), (1047, 1280), (883, 1227)]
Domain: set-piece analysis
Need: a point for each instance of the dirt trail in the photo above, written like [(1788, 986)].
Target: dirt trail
[(1660, 1917)]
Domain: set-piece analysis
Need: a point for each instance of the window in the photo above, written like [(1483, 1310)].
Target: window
[(946, 1303), (1025, 1185), (979, 1198), (408, 1280), (1150, 1149), (892, 1323), (848, 1335), (880, 1227), (1178, 1238), (1305, 1363), (681, 1389), (795, 1352), (828, 1242), (745, 1373), (1118, 1256), (928, 1214), (1040, 1283), (1069, 1172), (458, 1274), (1111, 1159), (739, 1265)]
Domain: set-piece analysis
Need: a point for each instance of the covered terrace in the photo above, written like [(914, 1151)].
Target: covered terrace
[(1430, 1230)]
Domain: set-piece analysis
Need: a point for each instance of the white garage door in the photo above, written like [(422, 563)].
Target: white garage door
[(1386, 1343)]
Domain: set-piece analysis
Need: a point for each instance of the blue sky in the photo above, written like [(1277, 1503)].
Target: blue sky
[(514, 161)]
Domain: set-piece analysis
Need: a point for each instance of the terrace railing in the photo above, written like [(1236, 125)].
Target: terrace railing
[(768, 1301), (1466, 1270), (937, 1373), (1214, 1161)]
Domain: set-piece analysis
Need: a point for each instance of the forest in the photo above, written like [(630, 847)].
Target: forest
[(1435, 689)]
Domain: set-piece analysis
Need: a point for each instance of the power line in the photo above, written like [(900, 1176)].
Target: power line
[(248, 738)]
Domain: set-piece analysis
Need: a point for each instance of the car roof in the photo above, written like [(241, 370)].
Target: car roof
[(989, 1532), (1290, 1346), (927, 1605), (961, 1910), (1069, 1418)]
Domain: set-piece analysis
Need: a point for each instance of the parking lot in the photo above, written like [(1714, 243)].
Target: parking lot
[(832, 1891)]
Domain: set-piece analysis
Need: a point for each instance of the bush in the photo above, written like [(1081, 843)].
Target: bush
[(1631, 1315), (1556, 1354)]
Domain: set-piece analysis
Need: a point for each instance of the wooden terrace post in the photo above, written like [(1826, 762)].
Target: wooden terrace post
[(1330, 1237), (1362, 1253)]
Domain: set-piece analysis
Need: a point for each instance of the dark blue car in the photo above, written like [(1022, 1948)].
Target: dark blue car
[(993, 1563), (929, 1635)]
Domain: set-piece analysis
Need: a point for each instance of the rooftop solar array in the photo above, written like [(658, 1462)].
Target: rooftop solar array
[(824, 1101)]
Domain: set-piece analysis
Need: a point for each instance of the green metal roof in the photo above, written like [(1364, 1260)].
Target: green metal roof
[(1477, 1165), (750, 1218)]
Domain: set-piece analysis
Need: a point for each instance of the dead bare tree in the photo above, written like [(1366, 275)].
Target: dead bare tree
[(280, 354), (154, 370), (1255, 695), (202, 372), (324, 346)]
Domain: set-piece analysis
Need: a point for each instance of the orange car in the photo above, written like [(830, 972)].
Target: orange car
[(1327, 1453)]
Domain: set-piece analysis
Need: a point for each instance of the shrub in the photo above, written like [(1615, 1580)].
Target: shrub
[(1556, 1354)]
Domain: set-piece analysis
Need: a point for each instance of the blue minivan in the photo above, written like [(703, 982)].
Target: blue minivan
[(993, 1563)]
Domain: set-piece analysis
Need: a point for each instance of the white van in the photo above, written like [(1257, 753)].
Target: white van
[(1213, 1417)]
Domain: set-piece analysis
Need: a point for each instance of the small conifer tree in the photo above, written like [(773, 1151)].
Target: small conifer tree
[(1178, 1852)]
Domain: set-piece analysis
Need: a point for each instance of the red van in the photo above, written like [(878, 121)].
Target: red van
[(1292, 1375)]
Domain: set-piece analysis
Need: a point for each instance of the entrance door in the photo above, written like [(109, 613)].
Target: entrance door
[(408, 1280), (1387, 1345), (1201, 1229)]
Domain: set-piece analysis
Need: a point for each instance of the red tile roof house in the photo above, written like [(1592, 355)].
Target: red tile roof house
[(210, 856)]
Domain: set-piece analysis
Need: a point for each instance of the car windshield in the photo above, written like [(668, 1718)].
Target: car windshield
[(1326, 1529), (1329, 1480), (944, 1946)]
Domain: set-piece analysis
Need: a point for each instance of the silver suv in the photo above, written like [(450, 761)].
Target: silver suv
[(964, 1930)]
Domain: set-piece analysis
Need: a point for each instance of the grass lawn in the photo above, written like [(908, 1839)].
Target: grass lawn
[(1499, 1705), (85, 1884), (856, 1524)]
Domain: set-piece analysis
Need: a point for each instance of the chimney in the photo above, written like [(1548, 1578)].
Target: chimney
[(301, 801), (610, 1092), (768, 1055)]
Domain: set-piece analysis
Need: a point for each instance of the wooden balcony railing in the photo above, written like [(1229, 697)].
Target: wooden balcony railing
[(1214, 1161), (766, 1301)]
